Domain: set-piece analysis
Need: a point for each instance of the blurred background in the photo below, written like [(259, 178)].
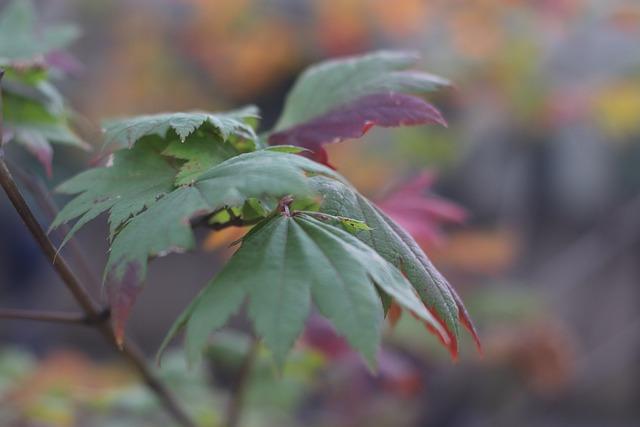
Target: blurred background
[(534, 213)]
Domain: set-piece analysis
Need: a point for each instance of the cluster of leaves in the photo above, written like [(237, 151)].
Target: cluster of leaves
[(34, 111), (315, 238)]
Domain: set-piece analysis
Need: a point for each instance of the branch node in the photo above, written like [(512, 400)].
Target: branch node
[(103, 316)]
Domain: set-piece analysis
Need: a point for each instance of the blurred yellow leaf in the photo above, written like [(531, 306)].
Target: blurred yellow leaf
[(62, 381), (617, 108), (70, 373), (52, 411)]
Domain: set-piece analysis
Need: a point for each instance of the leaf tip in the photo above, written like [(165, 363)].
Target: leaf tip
[(394, 314), (122, 292), (371, 361), (466, 321), (119, 336)]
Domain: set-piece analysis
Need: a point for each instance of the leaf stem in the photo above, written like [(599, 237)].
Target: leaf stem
[(54, 316), (79, 292), (238, 396), (284, 204), (45, 202)]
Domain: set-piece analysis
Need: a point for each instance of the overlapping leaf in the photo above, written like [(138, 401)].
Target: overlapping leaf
[(35, 123), (199, 155), (354, 119), (150, 211), (283, 265), (330, 84), (21, 40), (398, 247), (137, 179), (153, 166), (34, 112), (124, 133), (344, 98), (162, 228)]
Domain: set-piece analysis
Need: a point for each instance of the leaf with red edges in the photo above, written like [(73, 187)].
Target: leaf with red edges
[(122, 293), (396, 246), (421, 213), (354, 119), (343, 98), (331, 84), (394, 313)]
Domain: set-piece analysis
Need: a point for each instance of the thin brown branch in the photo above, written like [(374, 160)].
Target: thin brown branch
[(238, 396), (46, 204), (79, 292), (53, 316)]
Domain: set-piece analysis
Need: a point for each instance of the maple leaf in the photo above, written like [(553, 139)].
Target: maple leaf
[(419, 211), (124, 133), (354, 119), (162, 228), (150, 212), (396, 246), (140, 175), (199, 155), (325, 86), (35, 116), (136, 179), (344, 98), (21, 38), (282, 265), (34, 112)]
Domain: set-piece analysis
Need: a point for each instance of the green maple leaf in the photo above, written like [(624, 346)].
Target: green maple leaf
[(199, 154), (142, 174), (150, 209), (35, 116), (163, 228), (398, 247), (136, 180), (233, 183), (124, 133), (284, 264), (22, 39), (34, 112), (261, 173), (42, 112)]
